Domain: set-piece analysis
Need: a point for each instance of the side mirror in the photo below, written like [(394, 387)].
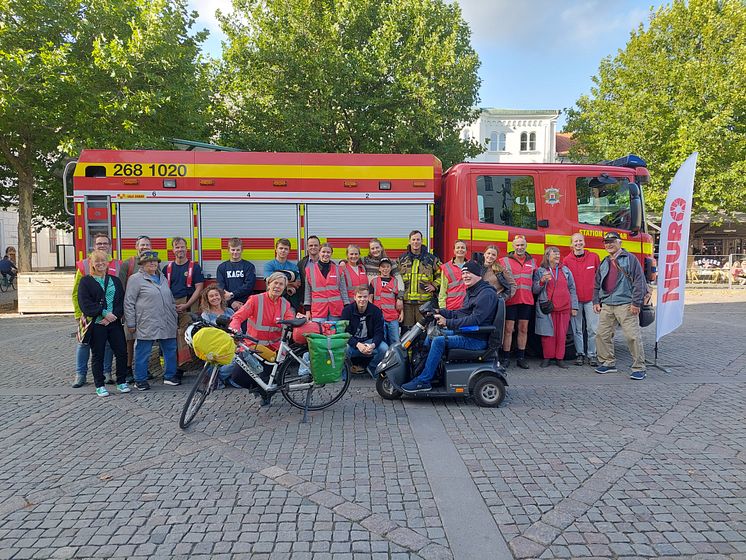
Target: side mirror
[(635, 208)]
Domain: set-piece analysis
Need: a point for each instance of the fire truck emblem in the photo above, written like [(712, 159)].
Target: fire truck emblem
[(552, 195)]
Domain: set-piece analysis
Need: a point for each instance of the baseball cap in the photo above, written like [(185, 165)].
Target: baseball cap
[(611, 236)]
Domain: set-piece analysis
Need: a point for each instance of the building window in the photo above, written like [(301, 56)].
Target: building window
[(507, 200), (528, 142), (501, 142), (53, 241), (465, 135), (33, 243), (493, 142)]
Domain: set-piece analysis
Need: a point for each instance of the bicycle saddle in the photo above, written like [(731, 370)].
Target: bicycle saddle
[(294, 322)]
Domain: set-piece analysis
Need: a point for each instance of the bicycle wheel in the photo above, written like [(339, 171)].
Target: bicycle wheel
[(203, 386), (14, 283), (322, 396), (4, 285)]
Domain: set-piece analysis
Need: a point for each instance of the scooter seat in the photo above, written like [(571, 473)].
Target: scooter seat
[(462, 355)]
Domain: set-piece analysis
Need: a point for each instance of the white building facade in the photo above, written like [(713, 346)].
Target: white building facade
[(514, 135), (50, 248)]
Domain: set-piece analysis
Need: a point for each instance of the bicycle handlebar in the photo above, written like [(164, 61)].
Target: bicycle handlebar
[(223, 323)]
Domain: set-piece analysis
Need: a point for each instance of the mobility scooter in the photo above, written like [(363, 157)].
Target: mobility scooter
[(462, 373)]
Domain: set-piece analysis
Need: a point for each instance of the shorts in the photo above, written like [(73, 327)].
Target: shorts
[(519, 312)]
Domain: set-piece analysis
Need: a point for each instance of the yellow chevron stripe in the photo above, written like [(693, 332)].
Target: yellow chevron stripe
[(558, 240), (498, 235), (464, 233)]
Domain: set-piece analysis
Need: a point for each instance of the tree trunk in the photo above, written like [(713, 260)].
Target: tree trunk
[(25, 216)]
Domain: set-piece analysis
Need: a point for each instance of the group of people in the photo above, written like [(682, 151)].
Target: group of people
[(124, 307), (580, 292)]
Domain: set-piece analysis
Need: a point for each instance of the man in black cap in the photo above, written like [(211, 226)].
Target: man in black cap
[(618, 293), (478, 310)]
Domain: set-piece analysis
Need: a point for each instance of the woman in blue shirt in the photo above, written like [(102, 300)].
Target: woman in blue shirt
[(101, 299)]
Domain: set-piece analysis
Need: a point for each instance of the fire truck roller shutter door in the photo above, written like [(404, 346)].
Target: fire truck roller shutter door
[(159, 221), (257, 224), (342, 224)]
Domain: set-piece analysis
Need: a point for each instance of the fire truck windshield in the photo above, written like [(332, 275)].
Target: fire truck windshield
[(608, 201)]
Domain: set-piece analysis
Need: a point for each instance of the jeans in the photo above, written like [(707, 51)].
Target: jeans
[(391, 332), (437, 346), (591, 325), (142, 357), (378, 355), (82, 354), (109, 336)]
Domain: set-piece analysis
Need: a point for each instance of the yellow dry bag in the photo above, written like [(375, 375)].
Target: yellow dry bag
[(214, 345)]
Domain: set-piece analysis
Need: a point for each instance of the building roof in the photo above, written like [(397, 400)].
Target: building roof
[(564, 141), (498, 112)]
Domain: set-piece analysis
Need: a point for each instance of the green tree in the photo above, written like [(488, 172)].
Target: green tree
[(89, 73), (347, 76), (677, 87)]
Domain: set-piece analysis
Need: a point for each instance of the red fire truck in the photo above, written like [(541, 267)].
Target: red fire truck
[(207, 197)]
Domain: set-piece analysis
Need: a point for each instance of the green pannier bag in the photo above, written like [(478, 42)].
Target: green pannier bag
[(327, 355)]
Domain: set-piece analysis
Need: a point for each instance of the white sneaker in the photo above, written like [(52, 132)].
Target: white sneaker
[(102, 392), (123, 388)]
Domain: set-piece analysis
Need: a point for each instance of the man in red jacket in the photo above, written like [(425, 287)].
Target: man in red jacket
[(583, 265)]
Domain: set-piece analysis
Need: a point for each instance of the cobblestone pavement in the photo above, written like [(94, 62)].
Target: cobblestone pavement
[(572, 465)]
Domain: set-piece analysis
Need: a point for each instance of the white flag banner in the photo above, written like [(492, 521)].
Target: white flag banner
[(674, 249)]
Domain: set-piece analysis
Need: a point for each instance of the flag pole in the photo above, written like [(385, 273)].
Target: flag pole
[(655, 353)]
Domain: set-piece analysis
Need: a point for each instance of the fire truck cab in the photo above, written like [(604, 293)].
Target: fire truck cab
[(209, 197)]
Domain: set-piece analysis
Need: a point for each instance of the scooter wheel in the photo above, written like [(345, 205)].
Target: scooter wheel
[(489, 391), (386, 389)]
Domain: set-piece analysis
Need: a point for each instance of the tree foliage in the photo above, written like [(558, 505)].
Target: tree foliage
[(89, 73), (347, 76), (679, 86)]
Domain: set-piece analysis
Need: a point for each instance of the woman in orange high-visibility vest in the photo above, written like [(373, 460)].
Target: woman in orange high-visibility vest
[(354, 271), (452, 289), (263, 311), (326, 291)]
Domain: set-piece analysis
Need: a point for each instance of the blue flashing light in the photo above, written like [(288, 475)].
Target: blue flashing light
[(630, 160)]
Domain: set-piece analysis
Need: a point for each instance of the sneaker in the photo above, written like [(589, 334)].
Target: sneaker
[(79, 381), (123, 388), (356, 369), (561, 364), (638, 375), (544, 363), (142, 385), (416, 386), (108, 379), (102, 392), (523, 364), (593, 361), (579, 360), (606, 369), (174, 382)]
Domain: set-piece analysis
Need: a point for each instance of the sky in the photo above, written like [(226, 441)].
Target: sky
[(535, 54)]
